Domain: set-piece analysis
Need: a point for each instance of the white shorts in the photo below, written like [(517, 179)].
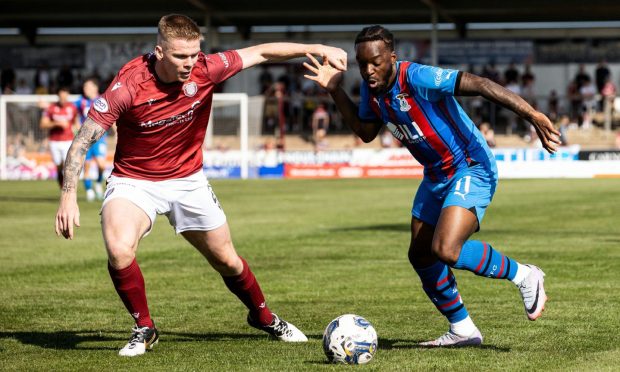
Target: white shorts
[(188, 202), (59, 150)]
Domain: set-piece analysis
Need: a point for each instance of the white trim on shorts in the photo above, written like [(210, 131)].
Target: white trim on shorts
[(59, 150), (189, 202)]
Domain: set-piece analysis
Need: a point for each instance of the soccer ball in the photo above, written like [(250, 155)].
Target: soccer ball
[(350, 339)]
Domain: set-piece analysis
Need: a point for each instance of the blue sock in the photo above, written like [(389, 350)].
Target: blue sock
[(88, 183), (440, 286), (100, 176), (481, 259)]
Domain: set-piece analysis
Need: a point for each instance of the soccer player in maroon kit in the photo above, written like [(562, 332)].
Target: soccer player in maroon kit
[(161, 103), (60, 118)]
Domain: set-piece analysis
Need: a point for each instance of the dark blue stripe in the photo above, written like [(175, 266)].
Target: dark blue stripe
[(438, 134)]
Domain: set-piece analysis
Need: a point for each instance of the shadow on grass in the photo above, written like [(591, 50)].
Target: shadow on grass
[(401, 227), (72, 340), (390, 344)]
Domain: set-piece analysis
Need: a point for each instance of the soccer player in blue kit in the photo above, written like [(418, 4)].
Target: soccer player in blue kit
[(99, 150), (417, 104)]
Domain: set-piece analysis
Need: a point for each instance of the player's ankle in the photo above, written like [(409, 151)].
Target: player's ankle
[(465, 327)]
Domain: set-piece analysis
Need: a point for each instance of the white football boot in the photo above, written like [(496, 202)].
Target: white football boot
[(452, 339), (142, 339), (533, 292), (280, 329)]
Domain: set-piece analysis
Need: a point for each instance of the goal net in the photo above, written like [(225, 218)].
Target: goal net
[(233, 135)]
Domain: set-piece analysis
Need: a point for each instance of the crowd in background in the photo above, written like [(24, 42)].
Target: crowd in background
[(294, 105)]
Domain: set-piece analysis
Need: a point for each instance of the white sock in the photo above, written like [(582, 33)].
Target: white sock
[(463, 327), (522, 273)]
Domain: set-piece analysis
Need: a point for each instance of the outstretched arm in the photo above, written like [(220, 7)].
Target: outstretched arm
[(68, 212), (275, 52), (472, 85), (330, 79)]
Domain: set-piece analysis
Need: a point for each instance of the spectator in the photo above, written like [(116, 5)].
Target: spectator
[(490, 72), (553, 105), (320, 124), (563, 125), (23, 87), (581, 77), (527, 75), (601, 74), (7, 80), (588, 96), (511, 75), (512, 118), (65, 77), (575, 102), (488, 133), (42, 80), (265, 79)]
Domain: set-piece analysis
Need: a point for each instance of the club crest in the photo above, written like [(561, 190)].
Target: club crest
[(190, 89), (404, 105)]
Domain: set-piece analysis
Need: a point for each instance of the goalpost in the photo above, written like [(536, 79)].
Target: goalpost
[(233, 133)]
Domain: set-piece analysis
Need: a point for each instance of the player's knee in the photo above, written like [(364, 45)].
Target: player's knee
[(420, 254), (446, 250), (228, 266), (120, 254)]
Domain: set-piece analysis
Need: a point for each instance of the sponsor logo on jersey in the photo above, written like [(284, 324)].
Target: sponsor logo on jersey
[(116, 86), (190, 89), (406, 134), (184, 117), (224, 59), (101, 105), (438, 74), (402, 100)]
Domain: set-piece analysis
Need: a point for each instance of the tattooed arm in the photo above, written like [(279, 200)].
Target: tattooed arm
[(68, 211), (472, 85)]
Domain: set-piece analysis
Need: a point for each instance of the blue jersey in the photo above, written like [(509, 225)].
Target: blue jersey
[(421, 112), (83, 105)]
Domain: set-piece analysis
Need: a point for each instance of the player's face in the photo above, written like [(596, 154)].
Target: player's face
[(63, 96), (176, 58), (376, 62), (91, 90)]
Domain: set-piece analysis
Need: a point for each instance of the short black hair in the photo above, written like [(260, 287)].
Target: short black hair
[(376, 32)]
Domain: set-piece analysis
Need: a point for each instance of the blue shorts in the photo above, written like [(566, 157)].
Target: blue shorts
[(98, 150), (471, 188)]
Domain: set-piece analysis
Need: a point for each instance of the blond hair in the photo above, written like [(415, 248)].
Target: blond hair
[(177, 26)]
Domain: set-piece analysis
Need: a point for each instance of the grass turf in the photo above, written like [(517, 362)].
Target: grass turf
[(319, 249)]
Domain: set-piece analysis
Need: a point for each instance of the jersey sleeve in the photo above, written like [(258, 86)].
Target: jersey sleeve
[(432, 82), (117, 99), (223, 65), (365, 112)]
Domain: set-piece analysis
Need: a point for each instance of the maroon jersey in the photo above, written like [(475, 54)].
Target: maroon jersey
[(67, 112), (161, 126)]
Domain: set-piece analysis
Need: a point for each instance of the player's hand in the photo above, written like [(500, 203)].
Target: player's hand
[(325, 74), (336, 57), (549, 136), (68, 214)]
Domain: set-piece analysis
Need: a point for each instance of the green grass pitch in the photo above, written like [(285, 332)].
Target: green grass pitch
[(319, 249)]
